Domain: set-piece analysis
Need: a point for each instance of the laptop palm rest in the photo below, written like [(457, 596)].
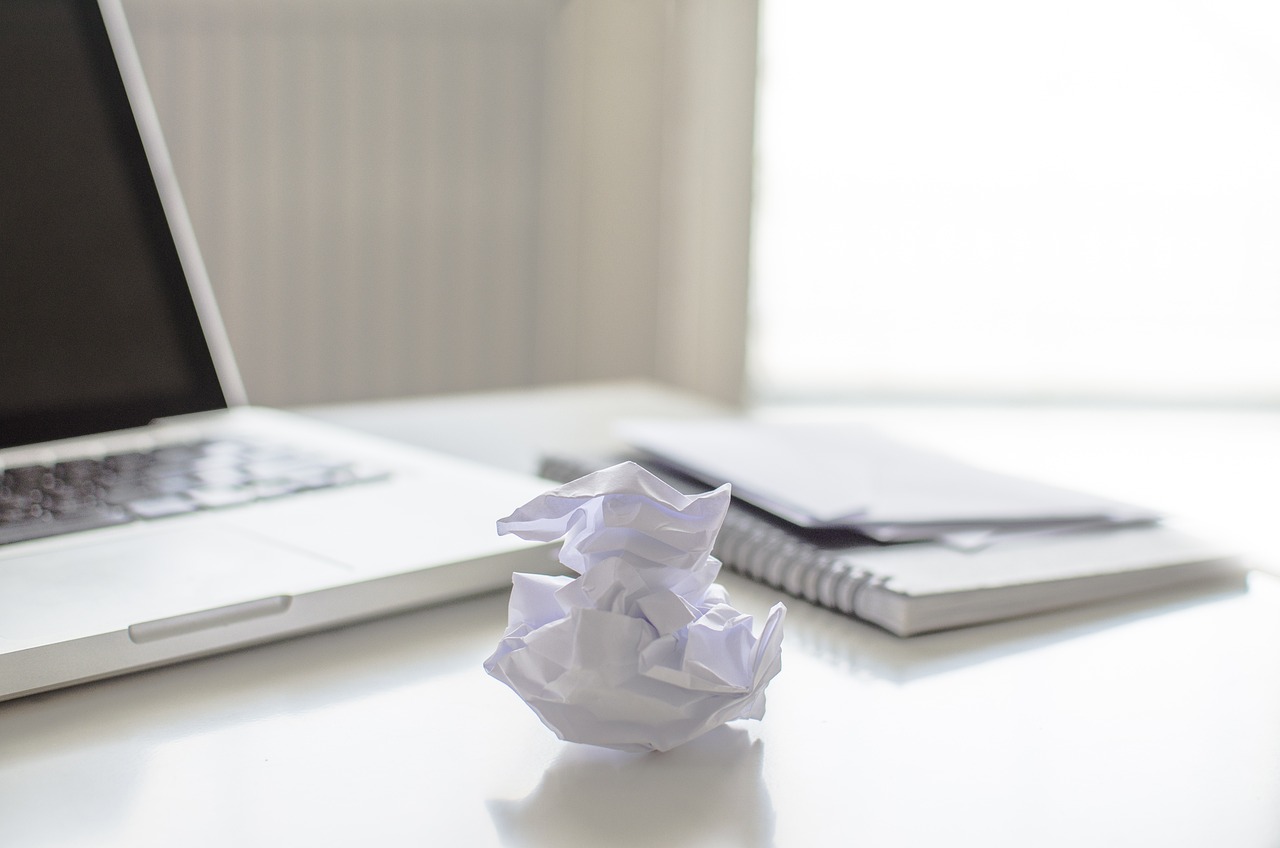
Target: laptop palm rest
[(154, 584)]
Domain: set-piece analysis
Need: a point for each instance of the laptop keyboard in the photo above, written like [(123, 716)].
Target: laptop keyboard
[(48, 500)]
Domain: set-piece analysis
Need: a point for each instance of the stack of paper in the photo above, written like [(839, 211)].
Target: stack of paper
[(853, 477)]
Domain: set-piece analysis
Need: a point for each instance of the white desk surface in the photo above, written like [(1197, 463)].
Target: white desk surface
[(1151, 722)]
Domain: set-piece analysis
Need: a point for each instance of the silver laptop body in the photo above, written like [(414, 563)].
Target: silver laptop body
[(334, 527)]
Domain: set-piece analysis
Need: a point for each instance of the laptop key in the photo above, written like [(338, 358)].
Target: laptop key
[(158, 507), (129, 492), (212, 497)]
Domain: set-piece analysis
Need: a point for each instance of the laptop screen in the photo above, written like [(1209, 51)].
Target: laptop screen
[(98, 330)]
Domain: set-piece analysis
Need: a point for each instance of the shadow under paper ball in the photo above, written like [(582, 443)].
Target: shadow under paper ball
[(710, 790)]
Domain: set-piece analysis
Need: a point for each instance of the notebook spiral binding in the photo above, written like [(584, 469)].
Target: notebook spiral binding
[(769, 554)]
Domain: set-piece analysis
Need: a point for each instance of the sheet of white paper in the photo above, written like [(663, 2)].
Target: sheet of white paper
[(824, 474), (642, 650)]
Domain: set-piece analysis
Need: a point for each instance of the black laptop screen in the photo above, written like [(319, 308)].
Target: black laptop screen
[(97, 327)]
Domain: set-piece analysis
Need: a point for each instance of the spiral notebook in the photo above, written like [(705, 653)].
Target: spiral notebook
[(917, 587)]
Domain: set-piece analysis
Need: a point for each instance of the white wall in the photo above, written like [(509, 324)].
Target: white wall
[(415, 196)]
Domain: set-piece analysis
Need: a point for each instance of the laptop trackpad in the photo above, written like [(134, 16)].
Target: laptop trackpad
[(86, 590)]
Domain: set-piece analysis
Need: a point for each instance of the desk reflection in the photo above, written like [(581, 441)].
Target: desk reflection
[(710, 791)]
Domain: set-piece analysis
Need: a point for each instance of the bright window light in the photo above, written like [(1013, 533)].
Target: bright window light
[(1011, 200)]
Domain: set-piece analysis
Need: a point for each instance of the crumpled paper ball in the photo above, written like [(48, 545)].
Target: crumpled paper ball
[(642, 650)]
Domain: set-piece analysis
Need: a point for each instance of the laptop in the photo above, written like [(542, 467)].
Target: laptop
[(148, 514)]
